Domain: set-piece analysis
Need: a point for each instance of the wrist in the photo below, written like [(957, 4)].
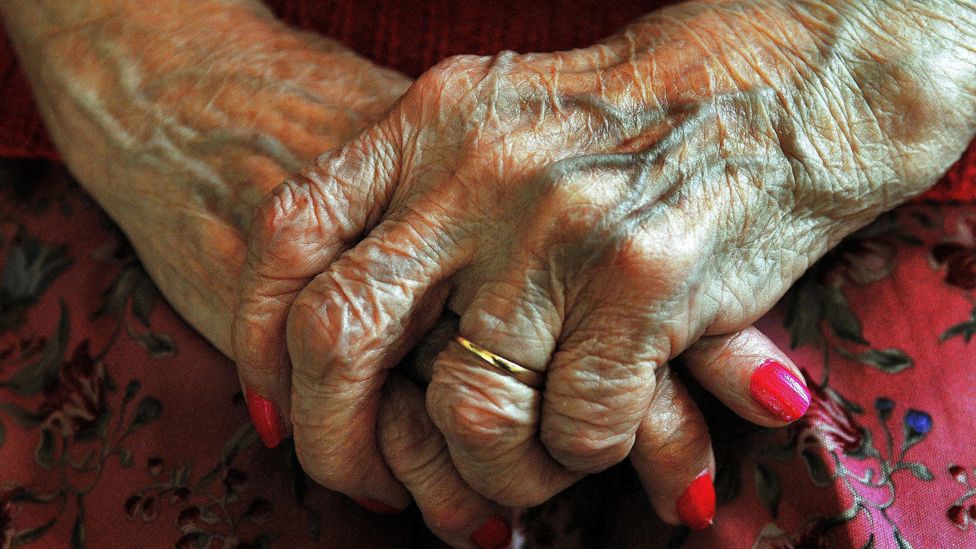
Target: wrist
[(179, 120), (215, 94), (36, 26), (877, 97)]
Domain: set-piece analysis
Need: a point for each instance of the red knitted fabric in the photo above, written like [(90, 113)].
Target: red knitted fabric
[(412, 35)]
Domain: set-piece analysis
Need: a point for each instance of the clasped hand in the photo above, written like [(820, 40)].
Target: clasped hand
[(589, 215)]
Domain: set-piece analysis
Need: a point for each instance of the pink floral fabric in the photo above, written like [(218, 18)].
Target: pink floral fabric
[(121, 427)]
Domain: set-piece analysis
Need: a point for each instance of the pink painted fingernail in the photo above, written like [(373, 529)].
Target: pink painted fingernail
[(696, 506), (777, 390), (377, 507), (266, 419), (493, 534)]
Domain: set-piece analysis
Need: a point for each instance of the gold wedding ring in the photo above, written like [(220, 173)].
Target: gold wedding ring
[(531, 378)]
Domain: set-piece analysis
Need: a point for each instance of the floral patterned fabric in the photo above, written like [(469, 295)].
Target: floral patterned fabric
[(121, 427)]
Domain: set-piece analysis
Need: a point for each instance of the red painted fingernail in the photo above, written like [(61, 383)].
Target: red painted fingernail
[(377, 507), (493, 534), (696, 507), (777, 390), (267, 421)]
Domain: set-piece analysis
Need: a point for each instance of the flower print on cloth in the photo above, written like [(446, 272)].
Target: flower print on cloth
[(98, 375), (30, 267), (866, 469), (75, 402), (6, 518), (216, 508), (117, 422), (826, 424), (865, 462), (866, 257), (917, 425), (962, 511), (67, 402), (957, 255), (818, 312)]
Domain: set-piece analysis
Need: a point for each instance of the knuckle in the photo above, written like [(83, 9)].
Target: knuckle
[(279, 211), (455, 67), (278, 228), (586, 447), (325, 375), (593, 404), (515, 312), (323, 320), (310, 326), (340, 314), (586, 217), (461, 81), (603, 361), (296, 222), (350, 320), (654, 266), (602, 391), (639, 254), (469, 418)]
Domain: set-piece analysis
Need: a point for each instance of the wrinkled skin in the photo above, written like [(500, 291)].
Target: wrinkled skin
[(251, 98), (229, 117), (589, 214)]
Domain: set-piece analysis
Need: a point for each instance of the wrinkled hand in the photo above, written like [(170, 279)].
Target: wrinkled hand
[(588, 214)]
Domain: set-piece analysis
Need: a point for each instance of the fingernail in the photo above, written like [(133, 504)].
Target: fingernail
[(377, 507), (696, 507), (777, 390), (267, 421), (493, 534)]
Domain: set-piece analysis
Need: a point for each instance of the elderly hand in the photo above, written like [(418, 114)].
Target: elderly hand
[(588, 214), (180, 153)]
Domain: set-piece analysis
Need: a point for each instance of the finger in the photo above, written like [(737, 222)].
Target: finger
[(673, 456), (620, 329), (418, 456), (296, 232), (599, 385), (488, 418), (751, 375), (345, 330)]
